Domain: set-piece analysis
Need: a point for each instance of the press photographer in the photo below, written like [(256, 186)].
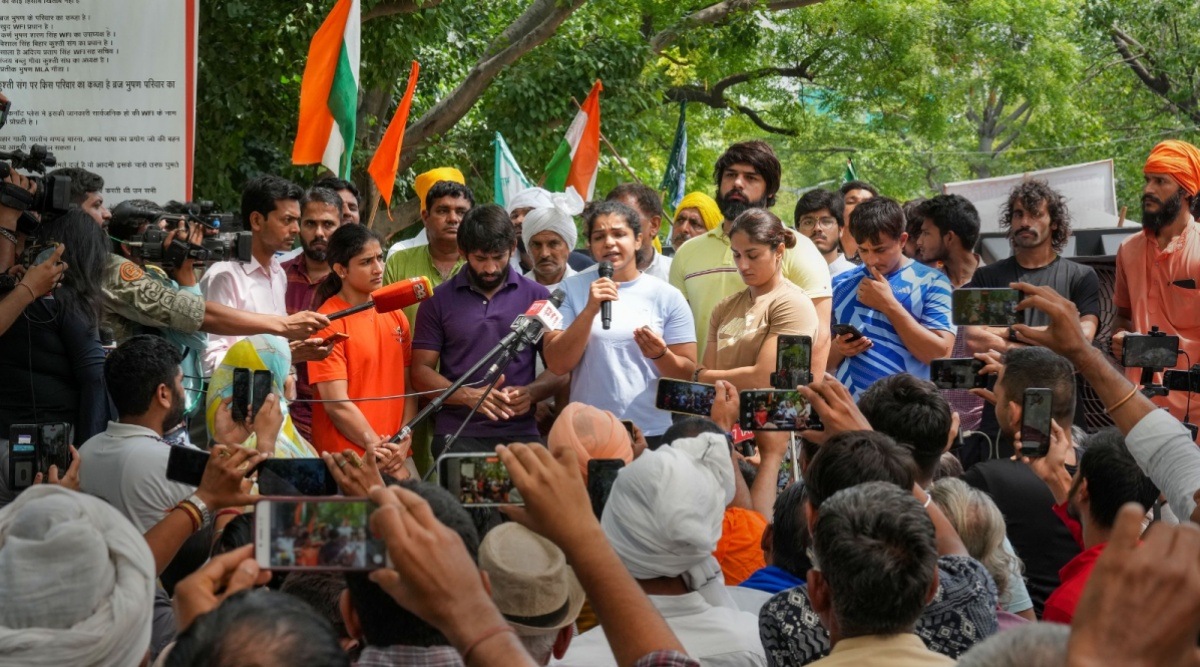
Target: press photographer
[(25, 198), (141, 296)]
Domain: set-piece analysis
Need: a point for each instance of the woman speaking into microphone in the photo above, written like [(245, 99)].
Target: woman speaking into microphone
[(651, 334)]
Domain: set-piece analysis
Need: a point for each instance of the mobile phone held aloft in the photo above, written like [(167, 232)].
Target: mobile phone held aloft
[(601, 475), (478, 480), (1036, 413), (186, 465), (316, 535), (793, 361), (993, 307), (689, 398), (961, 373), (776, 410), (295, 477), (1153, 350)]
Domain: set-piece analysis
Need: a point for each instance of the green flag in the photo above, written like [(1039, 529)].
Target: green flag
[(674, 181), (849, 174), (508, 179)]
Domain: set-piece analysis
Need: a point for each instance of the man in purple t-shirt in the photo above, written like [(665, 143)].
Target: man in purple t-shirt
[(467, 317)]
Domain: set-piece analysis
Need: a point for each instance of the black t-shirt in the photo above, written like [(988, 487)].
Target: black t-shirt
[(1038, 536), (1075, 281)]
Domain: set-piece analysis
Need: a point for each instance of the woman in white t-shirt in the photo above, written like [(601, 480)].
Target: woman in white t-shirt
[(652, 334)]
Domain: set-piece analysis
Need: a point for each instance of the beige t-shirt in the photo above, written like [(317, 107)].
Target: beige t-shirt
[(740, 323)]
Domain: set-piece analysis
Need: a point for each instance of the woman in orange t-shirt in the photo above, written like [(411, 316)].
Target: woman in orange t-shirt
[(372, 361)]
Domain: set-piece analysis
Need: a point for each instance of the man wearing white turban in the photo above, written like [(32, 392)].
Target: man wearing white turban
[(518, 207), (76, 582), (663, 518), (549, 234)]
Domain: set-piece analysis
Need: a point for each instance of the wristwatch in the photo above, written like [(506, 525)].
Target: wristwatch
[(202, 507)]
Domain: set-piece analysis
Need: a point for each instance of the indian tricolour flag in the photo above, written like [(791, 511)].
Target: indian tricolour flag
[(329, 92), (576, 161)]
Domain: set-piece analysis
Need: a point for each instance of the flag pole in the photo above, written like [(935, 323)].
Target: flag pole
[(603, 138)]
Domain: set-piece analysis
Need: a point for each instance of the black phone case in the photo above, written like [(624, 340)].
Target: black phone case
[(241, 394), (186, 465), (262, 387)]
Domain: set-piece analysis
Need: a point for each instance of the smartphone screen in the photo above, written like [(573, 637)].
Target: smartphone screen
[(993, 307), (22, 455), (689, 398), (843, 329), (962, 373), (54, 447), (186, 465), (295, 477), (262, 386), (241, 394), (793, 361), (776, 410), (628, 424), (601, 475), (327, 534), (1035, 422), (1145, 351), (478, 480)]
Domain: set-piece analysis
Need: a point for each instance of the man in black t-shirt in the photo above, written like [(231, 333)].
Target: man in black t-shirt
[(1038, 225), (1037, 535)]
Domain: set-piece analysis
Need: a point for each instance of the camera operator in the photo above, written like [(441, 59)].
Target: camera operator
[(139, 296), (87, 192), (51, 362), (11, 240), (271, 208)]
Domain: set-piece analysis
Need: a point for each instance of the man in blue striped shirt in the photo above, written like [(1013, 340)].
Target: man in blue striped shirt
[(901, 307)]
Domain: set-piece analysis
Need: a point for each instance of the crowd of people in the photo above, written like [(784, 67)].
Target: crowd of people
[(885, 537)]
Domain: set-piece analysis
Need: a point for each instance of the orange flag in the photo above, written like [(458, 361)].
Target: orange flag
[(387, 156)]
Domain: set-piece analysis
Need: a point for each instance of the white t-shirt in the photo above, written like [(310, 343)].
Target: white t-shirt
[(126, 466), (613, 374), (840, 265)]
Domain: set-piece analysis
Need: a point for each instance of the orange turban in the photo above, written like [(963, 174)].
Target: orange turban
[(1180, 160), (593, 433), (426, 181)]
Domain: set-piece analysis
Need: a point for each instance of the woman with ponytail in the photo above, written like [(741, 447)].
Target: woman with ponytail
[(371, 361)]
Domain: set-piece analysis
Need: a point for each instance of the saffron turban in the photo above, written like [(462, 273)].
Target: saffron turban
[(1180, 160)]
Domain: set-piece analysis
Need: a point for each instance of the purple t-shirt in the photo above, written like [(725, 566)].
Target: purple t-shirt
[(462, 325)]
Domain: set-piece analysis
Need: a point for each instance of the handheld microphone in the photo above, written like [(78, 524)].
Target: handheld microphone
[(401, 294), (606, 271)]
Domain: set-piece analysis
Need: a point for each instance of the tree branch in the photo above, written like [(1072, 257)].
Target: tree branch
[(715, 97), (717, 13), (533, 27), (1158, 84), (393, 7)]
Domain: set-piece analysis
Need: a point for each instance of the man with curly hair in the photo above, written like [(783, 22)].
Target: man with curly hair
[(1038, 225)]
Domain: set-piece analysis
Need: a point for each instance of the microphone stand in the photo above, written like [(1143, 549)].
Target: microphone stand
[(510, 340)]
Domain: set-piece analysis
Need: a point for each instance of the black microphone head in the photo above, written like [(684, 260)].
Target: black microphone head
[(605, 269), (557, 297)]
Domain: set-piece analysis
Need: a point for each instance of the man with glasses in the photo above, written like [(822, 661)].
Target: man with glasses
[(819, 217)]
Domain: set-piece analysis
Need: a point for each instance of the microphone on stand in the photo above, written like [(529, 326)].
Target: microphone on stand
[(526, 330), (401, 294), (606, 271)]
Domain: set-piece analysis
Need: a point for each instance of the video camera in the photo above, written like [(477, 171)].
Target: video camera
[(223, 245), (53, 194)]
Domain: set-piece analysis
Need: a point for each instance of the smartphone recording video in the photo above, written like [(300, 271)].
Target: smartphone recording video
[(993, 307), (961, 373), (1150, 351), (1036, 414), (689, 398), (331, 534), (295, 477), (793, 361), (478, 480), (186, 465), (776, 410), (601, 475)]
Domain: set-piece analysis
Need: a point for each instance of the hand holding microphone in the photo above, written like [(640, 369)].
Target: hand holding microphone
[(604, 290)]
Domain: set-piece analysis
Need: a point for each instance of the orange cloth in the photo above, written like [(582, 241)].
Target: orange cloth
[(740, 549), (593, 434), (1179, 159), (372, 361)]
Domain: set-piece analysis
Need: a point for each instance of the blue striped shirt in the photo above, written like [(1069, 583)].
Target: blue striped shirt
[(922, 291)]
